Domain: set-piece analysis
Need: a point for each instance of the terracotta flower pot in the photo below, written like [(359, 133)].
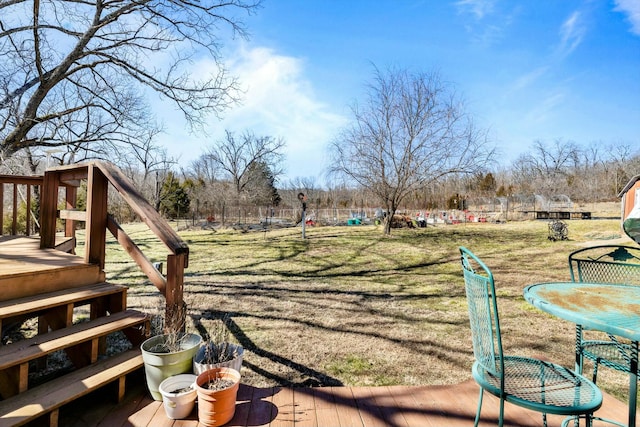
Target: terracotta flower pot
[(217, 407)]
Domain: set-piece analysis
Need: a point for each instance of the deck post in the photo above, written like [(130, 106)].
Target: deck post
[(49, 209), (175, 310), (96, 233)]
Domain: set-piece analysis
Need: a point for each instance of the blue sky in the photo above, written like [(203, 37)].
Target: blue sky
[(528, 70)]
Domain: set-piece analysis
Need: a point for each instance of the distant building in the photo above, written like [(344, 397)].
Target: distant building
[(630, 196)]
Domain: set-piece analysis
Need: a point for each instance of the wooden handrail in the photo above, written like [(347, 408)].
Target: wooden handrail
[(144, 210), (22, 180), (99, 175), (177, 260), (137, 255)]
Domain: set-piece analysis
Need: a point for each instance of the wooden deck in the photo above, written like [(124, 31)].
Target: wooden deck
[(21, 259), (396, 406), (20, 254)]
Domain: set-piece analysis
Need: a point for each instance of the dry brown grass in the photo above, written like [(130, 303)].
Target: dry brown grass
[(350, 306)]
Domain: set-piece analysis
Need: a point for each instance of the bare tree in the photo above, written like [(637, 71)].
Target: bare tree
[(411, 131), (74, 72), (236, 156), (550, 168), (210, 191), (306, 185), (204, 169)]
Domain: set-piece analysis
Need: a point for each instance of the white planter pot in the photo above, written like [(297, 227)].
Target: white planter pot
[(200, 365), (178, 405)]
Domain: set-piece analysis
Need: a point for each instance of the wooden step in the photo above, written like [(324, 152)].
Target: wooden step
[(58, 306), (24, 284), (81, 342), (49, 397), (32, 348)]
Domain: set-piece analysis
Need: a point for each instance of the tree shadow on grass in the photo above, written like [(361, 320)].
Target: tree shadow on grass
[(314, 378)]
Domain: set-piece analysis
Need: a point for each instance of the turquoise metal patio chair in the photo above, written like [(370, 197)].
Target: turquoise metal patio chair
[(527, 382), (614, 264)]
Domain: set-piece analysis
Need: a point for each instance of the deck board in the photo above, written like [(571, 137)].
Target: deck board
[(369, 413), (348, 413), (260, 407), (326, 408), (304, 408), (243, 405), (395, 406), (20, 254), (411, 408), (284, 410), (27, 270)]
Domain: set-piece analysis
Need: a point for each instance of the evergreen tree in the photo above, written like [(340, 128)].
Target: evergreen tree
[(174, 198)]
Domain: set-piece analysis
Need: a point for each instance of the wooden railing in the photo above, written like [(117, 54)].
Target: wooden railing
[(99, 176), (22, 189)]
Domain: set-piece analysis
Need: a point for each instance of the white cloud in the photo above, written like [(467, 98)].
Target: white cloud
[(546, 109), (487, 25), (527, 80), (631, 8), (478, 8), (572, 33), (279, 101)]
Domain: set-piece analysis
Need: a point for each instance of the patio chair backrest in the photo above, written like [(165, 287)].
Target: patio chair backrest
[(606, 264), (483, 313)]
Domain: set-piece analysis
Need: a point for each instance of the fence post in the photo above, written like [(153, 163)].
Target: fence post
[(303, 200)]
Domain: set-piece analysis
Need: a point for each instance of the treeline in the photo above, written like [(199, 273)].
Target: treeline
[(584, 175), (203, 190)]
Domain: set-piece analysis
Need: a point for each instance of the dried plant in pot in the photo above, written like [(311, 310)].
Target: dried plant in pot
[(217, 390), (167, 354), (178, 395), (218, 351)]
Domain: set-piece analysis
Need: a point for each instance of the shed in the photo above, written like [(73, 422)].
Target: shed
[(630, 197)]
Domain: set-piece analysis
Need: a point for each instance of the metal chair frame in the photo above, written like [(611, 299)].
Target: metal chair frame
[(527, 382), (616, 264)]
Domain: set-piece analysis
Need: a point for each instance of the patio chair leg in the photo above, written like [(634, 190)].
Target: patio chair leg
[(579, 355), (475, 424), (588, 420), (595, 370)]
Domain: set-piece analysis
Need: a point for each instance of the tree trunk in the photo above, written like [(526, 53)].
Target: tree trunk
[(388, 221)]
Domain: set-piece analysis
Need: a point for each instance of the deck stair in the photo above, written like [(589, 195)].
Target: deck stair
[(102, 310), (52, 286)]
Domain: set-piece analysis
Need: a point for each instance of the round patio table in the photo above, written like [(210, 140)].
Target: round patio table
[(614, 309)]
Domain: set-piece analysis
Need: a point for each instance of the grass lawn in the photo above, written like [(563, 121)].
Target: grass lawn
[(350, 306)]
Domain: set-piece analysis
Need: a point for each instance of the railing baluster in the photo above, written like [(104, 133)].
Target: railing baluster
[(1, 208), (14, 225), (28, 211)]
